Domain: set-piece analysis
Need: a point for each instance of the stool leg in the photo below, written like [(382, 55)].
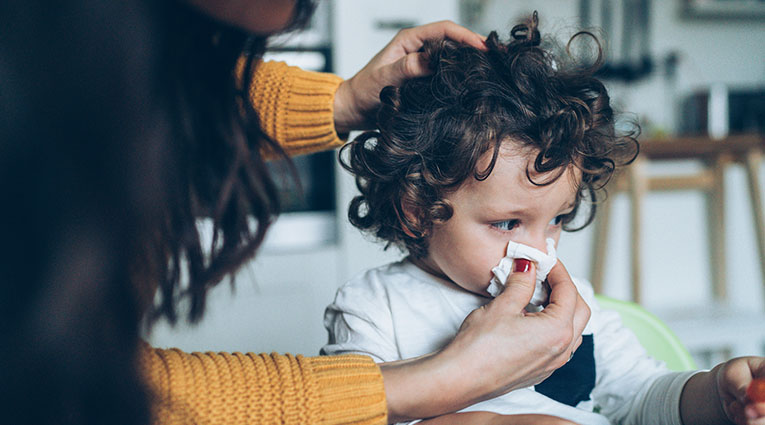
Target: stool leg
[(716, 222), (600, 241), (637, 189), (753, 160)]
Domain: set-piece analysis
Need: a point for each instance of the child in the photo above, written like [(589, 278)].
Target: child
[(474, 168)]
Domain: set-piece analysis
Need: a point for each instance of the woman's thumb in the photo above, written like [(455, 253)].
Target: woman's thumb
[(519, 287)]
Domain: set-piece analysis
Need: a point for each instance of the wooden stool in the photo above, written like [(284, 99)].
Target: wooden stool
[(715, 155)]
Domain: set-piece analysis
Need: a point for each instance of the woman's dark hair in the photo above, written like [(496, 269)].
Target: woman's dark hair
[(217, 169), (433, 130), (121, 124)]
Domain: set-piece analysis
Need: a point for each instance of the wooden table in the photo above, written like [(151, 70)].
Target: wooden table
[(715, 155)]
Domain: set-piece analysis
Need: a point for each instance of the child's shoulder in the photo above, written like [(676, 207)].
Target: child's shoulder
[(398, 276), (391, 274)]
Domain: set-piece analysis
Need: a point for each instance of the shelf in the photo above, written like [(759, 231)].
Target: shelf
[(700, 146)]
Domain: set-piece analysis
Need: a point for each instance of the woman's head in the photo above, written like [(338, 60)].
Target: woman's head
[(258, 16), (120, 126), (437, 132)]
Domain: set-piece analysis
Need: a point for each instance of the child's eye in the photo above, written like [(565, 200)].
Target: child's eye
[(506, 224), (557, 220)]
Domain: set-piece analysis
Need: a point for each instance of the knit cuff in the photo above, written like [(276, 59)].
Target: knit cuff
[(236, 388), (296, 107), (351, 388)]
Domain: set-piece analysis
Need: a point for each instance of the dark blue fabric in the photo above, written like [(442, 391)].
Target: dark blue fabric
[(574, 381)]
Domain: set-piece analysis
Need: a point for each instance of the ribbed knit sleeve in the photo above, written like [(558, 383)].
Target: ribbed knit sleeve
[(236, 388), (295, 107)]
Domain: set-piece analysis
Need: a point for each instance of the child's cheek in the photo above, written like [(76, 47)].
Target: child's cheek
[(490, 260), (474, 271), (556, 236)]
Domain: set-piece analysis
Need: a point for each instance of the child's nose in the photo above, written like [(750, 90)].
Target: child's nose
[(537, 242)]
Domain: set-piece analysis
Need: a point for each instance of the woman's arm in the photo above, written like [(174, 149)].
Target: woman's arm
[(236, 388), (295, 107), (488, 418)]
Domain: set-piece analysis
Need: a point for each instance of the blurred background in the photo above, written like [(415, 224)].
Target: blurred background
[(681, 67)]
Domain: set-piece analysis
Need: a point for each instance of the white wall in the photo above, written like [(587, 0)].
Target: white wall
[(281, 296)]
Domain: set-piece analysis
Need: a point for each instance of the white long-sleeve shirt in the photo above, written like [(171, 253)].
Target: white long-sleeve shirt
[(398, 311)]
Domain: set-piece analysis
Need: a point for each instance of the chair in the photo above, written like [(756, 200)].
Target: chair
[(717, 329), (653, 334), (715, 156)]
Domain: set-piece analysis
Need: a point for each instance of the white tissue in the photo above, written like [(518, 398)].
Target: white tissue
[(545, 263)]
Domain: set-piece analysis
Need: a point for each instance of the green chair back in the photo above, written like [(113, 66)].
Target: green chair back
[(658, 340)]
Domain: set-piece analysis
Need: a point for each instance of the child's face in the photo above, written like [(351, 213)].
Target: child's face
[(489, 213)]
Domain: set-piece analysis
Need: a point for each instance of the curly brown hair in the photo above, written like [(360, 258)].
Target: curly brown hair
[(433, 130)]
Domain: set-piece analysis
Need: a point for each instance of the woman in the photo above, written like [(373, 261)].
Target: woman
[(121, 123)]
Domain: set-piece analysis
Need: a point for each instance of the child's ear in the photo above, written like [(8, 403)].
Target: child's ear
[(408, 218)]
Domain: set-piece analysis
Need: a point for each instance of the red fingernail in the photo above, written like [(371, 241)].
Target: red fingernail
[(521, 265)]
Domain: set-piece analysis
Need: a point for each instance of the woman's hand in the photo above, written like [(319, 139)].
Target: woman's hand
[(720, 395), (500, 347), (357, 99)]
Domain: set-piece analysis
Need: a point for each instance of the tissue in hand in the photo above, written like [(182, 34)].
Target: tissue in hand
[(545, 263)]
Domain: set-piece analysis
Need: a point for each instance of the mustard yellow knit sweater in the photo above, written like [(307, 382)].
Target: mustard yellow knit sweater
[(295, 108)]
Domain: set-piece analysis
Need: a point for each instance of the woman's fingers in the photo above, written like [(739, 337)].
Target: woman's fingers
[(522, 348), (564, 318), (562, 289), (519, 288), (409, 66), (567, 309), (565, 300), (411, 39)]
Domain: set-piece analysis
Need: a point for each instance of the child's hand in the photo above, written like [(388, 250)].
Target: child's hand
[(741, 387)]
